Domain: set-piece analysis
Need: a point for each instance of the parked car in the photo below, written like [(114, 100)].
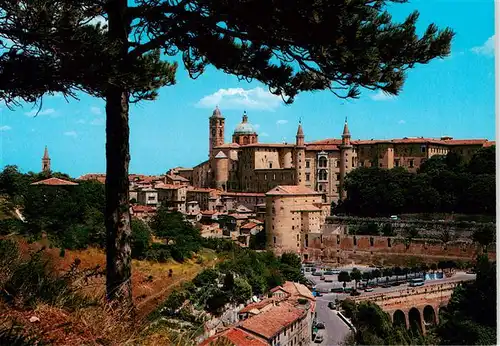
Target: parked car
[(331, 305), (328, 272), (318, 339), (337, 290), (328, 280), (320, 325), (369, 289), (322, 277), (317, 274), (355, 293)]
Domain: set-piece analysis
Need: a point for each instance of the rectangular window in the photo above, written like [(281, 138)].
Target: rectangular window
[(270, 165), (308, 176), (396, 163), (422, 149), (308, 164), (411, 163), (265, 176)]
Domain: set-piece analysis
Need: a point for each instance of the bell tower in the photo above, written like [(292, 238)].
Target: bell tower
[(216, 131), (300, 157), (46, 161), (346, 157)]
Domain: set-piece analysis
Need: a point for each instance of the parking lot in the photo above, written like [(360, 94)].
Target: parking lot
[(335, 329)]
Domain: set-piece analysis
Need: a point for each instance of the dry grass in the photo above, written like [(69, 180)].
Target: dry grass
[(100, 325)]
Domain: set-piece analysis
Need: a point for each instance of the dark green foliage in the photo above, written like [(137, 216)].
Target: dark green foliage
[(485, 235), (208, 277), (387, 230), (470, 318), (344, 277), (158, 252), (15, 337), (443, 184), (356, 276), (258, 241), (141, 238), (181, 237), (26, 282)]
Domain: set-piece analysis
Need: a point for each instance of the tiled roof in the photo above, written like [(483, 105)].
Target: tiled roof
[(177, 178), (239, 216), (267, 145), (243, 209), (291, 190), (55, 182), (271, 322), (249, 225), (242, 194), (332, 144), (236, 337), (100, 177), (168, 186), (227, 145), (489, 144), (258, 305), (143, 209), (208, 212), (297, 289)]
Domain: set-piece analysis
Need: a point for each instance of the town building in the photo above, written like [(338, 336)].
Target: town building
[(246, 165), (292, 213)]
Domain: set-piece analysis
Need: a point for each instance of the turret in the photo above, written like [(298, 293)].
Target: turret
[(46, 161), (300, 157), (216, 131), (346, 159)]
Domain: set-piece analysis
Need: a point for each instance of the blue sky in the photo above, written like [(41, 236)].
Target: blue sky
[(454, 97)]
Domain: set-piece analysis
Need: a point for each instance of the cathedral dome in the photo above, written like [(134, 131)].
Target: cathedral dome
[(244, 127)]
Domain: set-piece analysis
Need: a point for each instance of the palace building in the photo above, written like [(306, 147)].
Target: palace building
[(245, 165)]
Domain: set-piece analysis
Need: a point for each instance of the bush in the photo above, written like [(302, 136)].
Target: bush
[(12, 337), (141, 237), (26, 282), (158, 252)]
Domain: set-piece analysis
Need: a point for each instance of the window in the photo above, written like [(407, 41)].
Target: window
[(274, 240), (308, 176), (396, 163), (322, 162), (388, 242), (308, 164), (337, 162), (298, 237), (270, 165), (265, 176), (422, 149), (411, 163), (320, 187)]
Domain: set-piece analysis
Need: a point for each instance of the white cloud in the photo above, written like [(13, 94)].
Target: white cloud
[(97, 122), (80, 121), (488, 47), (264, 134), (71, 133), (281, 122), (95, 110), (238, 98), (47, 111), (401, 122), (5, 128), (381, 96)]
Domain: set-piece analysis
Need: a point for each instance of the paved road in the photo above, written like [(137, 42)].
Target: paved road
[(335, 329)]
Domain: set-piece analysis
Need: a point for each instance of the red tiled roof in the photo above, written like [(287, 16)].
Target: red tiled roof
[(55, 182), (100, 177), (236, 337), (168, 186), (258, 305), (267, 145), (271, 322), (291, 190), (243, 194), (239, 216), (143, 209), (333, 143), (208, 212), (177, 178), (249, 225)]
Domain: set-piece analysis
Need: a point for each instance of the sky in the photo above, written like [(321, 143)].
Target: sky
[(452, 96)]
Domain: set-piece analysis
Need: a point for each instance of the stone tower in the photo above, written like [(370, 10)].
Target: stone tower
[(221, 171), (46, 161), (300, 157), (216, 135), (346, 156)]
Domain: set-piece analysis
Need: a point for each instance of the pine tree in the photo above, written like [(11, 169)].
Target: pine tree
[(291, 46)]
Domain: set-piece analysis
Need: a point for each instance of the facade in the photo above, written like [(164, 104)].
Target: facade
[(245, 165), (292, 213)]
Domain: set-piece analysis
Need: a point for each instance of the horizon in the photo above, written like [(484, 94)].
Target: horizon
[(447, 97)]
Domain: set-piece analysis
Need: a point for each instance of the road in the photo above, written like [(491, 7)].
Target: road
[(335, 329)]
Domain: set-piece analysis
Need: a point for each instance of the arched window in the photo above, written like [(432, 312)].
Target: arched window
[(323, 175), (322, 162)]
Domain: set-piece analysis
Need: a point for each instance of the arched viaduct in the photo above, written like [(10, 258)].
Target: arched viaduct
[(414, 307)]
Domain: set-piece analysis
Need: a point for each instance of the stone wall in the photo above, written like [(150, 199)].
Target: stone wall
[(345, 249), (427, 228)]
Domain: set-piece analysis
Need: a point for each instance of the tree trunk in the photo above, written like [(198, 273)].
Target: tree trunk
[(118, 228)]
